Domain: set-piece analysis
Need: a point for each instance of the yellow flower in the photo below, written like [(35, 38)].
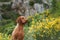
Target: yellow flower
[(34, 36), (47, 11), (36, 14), (29, 31), (34, 39), (58, 37), (47, 19), (41, 35), (32, 19), (42, 23), (0, 36), (29, 17), (57, 27), (44, 31), (51, 37), (31, 28), (52, 22), (9, 37), (46, 27), (33, 22), (38, 27), (32, 25), (35, 30), (37, 23)]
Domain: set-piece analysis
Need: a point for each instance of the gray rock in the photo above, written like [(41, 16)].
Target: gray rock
[(39, 7)]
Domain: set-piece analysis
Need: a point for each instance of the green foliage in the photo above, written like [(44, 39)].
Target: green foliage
[(4, 36), (43, 32), (4, 22), (7, 28), (31, 3), (6, 7), (54, 5), (10, 15), (33, 24), (43, 28), (38, 1)]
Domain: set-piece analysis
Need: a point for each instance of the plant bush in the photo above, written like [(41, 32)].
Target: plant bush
[(8, 13), (6, 7), (31, 3), (7, 27), (38, 1), (44, 28), (4, 36), (41, 27)]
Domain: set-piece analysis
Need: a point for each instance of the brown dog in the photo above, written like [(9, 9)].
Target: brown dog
[(18, 33)]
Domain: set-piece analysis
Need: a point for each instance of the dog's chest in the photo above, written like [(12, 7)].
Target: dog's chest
[(18, 31)]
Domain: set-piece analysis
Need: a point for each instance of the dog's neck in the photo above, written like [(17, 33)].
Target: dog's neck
[(20, 26)]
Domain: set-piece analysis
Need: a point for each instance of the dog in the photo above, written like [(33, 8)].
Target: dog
[(18, 32)]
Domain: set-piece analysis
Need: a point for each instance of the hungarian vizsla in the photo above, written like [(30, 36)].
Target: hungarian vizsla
[(18, 32)]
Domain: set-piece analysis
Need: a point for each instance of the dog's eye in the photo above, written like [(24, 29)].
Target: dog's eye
[(22, 18)]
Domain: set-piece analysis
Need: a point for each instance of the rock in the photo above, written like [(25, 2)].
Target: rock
[(39, 7)]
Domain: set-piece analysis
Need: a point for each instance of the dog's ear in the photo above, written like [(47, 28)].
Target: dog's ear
[(18, 20)]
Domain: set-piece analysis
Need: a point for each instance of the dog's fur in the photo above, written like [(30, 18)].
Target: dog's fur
[(18, 32)]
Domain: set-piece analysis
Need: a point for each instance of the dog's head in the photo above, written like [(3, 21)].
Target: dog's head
[(21, 20)]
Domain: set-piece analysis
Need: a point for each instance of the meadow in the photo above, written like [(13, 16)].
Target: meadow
[(41, 26)]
